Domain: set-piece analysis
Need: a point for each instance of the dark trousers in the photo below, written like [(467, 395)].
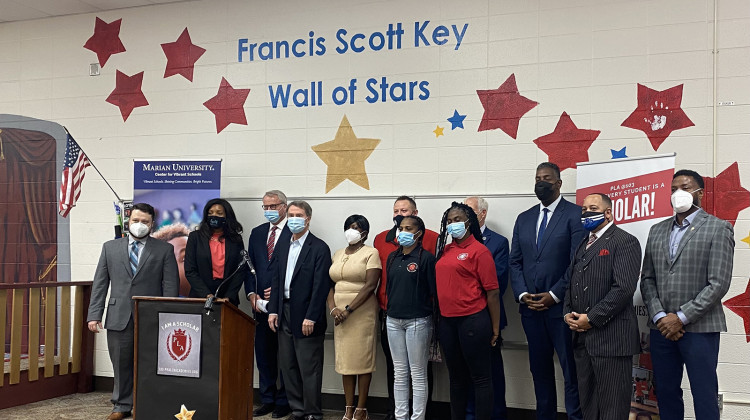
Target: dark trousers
[(547, 335), (466, 344), (699, 354), (389, 370), (499, 409), (266, 357), (120, 346), (301, 361), (604, 384)]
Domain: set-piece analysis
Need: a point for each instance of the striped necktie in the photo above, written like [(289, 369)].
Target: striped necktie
[(134, 257), (592, 239), (271, 242)]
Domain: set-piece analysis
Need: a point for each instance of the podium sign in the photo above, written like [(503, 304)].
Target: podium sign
[(179, 345)]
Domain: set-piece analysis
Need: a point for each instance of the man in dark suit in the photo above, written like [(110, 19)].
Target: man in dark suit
[(545, 238), (599, 310), (687, 270), (132, 266), (498, 246), (262, 250), (297, 308)]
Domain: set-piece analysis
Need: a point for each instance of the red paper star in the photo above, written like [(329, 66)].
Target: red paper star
[(227, 105), (504, 107), (127, 94), (181, 56), (106, 40), (740, 305), (568, 144), (726, 189), (658, 114)]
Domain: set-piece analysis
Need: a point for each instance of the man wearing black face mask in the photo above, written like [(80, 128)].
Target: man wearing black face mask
[(599, 310), (687, 270), (385, 242), (545, 239)]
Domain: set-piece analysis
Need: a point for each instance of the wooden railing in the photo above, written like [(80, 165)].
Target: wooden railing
[(51, 314)]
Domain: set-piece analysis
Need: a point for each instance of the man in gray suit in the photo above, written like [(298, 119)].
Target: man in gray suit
[(687, 270), (599, 310), (132, 266)]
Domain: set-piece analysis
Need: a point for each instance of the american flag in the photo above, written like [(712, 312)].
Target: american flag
[(72, 176)]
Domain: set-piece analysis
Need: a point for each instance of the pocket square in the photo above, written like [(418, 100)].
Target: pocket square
[(603, 252)]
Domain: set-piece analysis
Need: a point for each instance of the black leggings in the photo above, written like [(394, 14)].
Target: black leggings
[(466, 343)]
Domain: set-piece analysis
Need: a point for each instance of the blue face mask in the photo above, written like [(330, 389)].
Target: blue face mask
[(592, 219), (457, 230), (273, 216), (406, 239), (296, 224)]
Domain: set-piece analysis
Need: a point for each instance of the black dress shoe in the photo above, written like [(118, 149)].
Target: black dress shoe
[(263, 410), (281, 411)]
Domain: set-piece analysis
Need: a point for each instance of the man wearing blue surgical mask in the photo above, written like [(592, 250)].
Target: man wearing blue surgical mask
[(599, 310), (261, 249)]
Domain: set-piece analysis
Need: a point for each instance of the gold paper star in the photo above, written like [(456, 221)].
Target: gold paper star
[(746, 240), (184, 413), (345, 156), (438, 131)]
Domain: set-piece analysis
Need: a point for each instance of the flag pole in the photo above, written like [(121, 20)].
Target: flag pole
[(95, 168)]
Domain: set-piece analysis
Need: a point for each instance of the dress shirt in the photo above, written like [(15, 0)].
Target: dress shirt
[(601, 232), (295, 246), (550, 211), (131, 239), (280, 227), (675, 237)]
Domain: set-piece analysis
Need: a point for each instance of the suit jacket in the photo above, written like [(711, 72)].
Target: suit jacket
[(603, 279), (256, 248), (309, 287), (156, 275), (498, 246), (199, 269), (546, 269), (698, 277)]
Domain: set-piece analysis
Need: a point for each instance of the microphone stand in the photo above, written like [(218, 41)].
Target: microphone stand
[(208, 307)]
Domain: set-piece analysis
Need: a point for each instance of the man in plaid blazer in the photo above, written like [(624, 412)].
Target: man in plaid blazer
[(599, 310), (687, 270)]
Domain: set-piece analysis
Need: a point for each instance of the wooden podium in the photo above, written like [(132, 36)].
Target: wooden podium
[(218, 380)]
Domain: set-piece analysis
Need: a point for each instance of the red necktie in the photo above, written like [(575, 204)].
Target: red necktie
[(592, 238), (271, 242)]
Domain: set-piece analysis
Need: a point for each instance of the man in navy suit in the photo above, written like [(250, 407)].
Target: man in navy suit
[(261, 248), (545, 239), (297, 309), (498, 246)]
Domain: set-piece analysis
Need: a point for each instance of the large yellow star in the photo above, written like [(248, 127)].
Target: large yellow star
[(746, 240), (184, 413), (345, 156), (438, 131)]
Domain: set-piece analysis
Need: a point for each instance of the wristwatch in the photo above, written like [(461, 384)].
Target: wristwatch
[(348, 309)]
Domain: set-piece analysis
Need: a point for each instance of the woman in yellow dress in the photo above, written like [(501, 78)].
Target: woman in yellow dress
[(355, 271)]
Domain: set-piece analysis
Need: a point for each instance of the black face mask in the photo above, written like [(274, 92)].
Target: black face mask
[(397, 220), (544, 190), (216, 222)]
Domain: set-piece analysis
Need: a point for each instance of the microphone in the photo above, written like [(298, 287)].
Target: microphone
[(208, 307)]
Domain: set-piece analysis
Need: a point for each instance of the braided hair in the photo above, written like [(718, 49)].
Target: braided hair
[(474, 227)]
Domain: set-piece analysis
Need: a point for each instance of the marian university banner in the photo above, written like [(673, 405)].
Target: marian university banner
[(640, 189)]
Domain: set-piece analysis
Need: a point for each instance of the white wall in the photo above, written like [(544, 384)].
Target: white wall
[(583, 57)]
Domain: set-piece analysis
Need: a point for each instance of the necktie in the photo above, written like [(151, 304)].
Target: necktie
[(271, 242), (134, 257), (542, 228), (592, 238)]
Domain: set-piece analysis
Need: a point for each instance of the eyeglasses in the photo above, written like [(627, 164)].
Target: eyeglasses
[(271, 206)]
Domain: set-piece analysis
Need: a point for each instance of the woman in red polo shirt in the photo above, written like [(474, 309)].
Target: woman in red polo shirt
[(466, 280)]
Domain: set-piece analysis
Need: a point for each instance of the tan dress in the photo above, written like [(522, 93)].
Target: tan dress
[(355, 339)]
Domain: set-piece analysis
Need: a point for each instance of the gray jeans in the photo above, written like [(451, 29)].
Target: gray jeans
[(410, 343)]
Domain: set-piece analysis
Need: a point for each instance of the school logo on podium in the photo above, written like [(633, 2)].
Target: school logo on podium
[(179, 345)]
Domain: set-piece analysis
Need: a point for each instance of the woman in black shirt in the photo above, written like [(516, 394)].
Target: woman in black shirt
[(410, 288)]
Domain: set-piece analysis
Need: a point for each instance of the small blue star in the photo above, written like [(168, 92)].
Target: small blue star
[(457, 120), (618, 154)]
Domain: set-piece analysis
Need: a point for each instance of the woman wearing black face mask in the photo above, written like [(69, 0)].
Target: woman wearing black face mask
[(213, 253)]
